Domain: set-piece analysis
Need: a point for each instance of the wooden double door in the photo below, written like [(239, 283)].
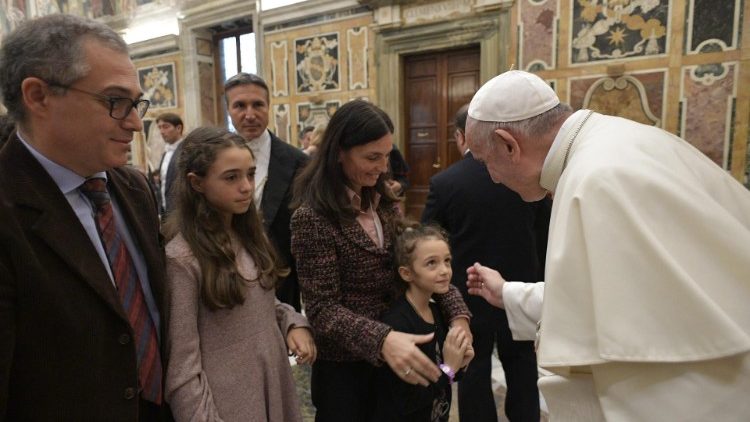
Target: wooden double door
[(436, 85)]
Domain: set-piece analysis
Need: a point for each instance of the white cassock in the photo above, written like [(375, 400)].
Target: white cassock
[(646, 313)]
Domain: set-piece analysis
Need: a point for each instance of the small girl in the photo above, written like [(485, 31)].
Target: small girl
[(424, 264), (227, 350)]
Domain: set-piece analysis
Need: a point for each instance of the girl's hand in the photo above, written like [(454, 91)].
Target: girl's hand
[(401, 353), (454, 348), (468, 356), (300, 343)]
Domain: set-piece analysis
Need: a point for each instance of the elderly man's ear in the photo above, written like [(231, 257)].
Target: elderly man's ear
[(508, 142)]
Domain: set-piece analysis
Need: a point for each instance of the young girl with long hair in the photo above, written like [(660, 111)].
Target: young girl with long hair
[(228, 335), (423, 260)]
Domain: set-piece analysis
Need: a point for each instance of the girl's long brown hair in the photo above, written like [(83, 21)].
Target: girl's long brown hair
[(222, 286)]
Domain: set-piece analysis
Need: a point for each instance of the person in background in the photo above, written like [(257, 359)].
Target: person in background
[(315, 137), (644, 314), (228, 334), (81, 322), (398, 172), (277, 163), (170, 127), (305, 136), (423, 259), (342, 242), (490, 223)]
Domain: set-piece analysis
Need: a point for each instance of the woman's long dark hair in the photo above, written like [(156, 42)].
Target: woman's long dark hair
[(222, 286), (321, 184)]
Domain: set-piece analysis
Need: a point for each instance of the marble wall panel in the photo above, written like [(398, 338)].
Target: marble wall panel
[(317, 63), (618, 29), (638, 96), (707, 101), (356, 46), (159, 83), (537, 34), (315, 114), (279, 74), (282, 121), (208, 93), (713, 25)]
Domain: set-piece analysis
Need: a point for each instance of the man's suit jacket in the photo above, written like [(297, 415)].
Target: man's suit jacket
[(169, 180), (487, 223), (284, 163), (67, 350)]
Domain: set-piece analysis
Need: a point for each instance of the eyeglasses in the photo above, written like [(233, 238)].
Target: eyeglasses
[(119, 107)]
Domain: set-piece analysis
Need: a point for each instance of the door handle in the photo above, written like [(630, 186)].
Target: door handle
[(422, 134), (436, 165)]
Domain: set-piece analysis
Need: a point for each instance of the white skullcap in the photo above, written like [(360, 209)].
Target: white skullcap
[(512, 96)]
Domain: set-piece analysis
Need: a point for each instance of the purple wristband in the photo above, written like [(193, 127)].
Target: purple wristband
[(448, 371)]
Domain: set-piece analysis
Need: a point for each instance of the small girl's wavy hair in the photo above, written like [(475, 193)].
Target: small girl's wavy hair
[(407, 233)]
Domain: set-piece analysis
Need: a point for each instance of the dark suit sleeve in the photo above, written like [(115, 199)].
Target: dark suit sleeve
[(7, 306), (433, 209), (7, 333), (399, 168)]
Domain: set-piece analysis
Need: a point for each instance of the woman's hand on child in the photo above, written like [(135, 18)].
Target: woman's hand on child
[(300, 342), (454, 348), (401, 353), (462, 323)]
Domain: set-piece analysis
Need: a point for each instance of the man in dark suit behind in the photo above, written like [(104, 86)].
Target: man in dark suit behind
[(277, 163), (74, 347), (488, 222)]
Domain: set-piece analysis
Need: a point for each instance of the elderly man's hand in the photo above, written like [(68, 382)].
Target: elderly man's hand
[(487, 283)]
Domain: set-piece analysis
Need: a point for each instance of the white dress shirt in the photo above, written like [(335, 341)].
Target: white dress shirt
[(261, 147)]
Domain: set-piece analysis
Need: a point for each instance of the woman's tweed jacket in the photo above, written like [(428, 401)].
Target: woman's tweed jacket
[(347, 283)]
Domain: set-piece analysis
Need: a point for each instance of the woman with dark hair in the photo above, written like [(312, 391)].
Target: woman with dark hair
[(342, 243)]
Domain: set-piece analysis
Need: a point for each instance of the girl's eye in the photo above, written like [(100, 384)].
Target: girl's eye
[(231, 177)]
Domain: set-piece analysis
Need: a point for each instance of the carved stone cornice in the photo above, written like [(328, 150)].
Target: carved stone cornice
[(389, 14)]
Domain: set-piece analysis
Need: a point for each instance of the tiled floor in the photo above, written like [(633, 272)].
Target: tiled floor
[(302, 376)]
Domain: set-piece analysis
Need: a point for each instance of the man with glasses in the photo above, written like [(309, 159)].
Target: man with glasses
[(80, 320), (277, 163)]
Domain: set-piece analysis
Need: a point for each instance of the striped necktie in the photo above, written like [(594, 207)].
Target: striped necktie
[(129, 290)]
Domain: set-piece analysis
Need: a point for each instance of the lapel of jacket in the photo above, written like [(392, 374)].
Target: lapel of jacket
[(47, 214), (357, 235), (281, 168)]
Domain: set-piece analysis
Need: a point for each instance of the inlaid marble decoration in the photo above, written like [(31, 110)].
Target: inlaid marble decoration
[(159, 85), (207, 92), (537, 34), (618, 29), (309, 114), (279, 72), (638, 96), (707, 95), (712, 25), (282, 121), (317, 63), (356, 45)]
